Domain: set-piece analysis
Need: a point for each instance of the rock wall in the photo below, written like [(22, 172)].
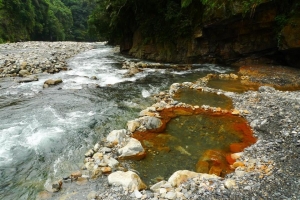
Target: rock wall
[(227, 35)]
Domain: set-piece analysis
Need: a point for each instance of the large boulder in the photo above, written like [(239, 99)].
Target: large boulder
[(151, 122), (129, 180), (116, 136), (132, 149)]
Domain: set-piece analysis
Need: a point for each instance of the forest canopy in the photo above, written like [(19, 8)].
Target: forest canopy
[(51, 20), (112, 20)]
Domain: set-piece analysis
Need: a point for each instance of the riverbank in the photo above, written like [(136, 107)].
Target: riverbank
[(266, 170), (23, 59)]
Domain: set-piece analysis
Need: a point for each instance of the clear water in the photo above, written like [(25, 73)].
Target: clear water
[(231, 85), (44, 133), (196, 97), (188, 141)]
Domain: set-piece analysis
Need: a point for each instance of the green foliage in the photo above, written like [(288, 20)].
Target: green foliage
[(81, 9), (116, 20), (34, 20)]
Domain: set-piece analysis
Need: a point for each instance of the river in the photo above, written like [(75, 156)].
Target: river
[(44, 133)]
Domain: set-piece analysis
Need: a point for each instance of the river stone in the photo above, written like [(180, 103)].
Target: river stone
[(151, 122), (171, 195), (129, 180), (116, 136), (133, 148), (229, 183), (133, 125), (23, 72), (157, 186), (183, 175), (90, 153), (96, 147), (113, 163), (56, 186), (75, 175), (28, 79), (53, 81)]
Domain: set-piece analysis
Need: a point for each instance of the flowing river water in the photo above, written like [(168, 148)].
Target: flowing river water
[(44, 133)]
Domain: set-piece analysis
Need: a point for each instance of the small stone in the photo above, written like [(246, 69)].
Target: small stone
[(92, 195), (106, 170), (96, 173), (157, 186), (106, 150), (96, 147), (90, 153), (89, 166), (238, 164), (113, 163), (247, 188), (171, 195), (229, 183), (24, 72), (137, 194), (98, 156), (75, 175), (235, 112), (56, 186), (132, 125)]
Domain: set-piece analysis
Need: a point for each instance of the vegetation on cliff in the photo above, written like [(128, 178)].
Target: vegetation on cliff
[(116, 19), (44, 19), (198, 30)]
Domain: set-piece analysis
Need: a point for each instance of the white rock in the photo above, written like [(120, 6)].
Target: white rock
[(116, 136), (137, 194), (170, 195), (129, 180), (183, 175), (133, 125), (96, 147), (229, 183), (156, 187), (132, 148), (110, 161)]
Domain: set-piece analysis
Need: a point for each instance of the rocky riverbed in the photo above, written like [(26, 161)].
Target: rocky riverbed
[(266, 170), (23, 59)]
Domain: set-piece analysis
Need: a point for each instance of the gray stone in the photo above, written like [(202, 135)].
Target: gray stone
[(133, 147), (24, 72)]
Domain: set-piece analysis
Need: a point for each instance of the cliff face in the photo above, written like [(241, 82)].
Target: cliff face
[(226, 35)]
